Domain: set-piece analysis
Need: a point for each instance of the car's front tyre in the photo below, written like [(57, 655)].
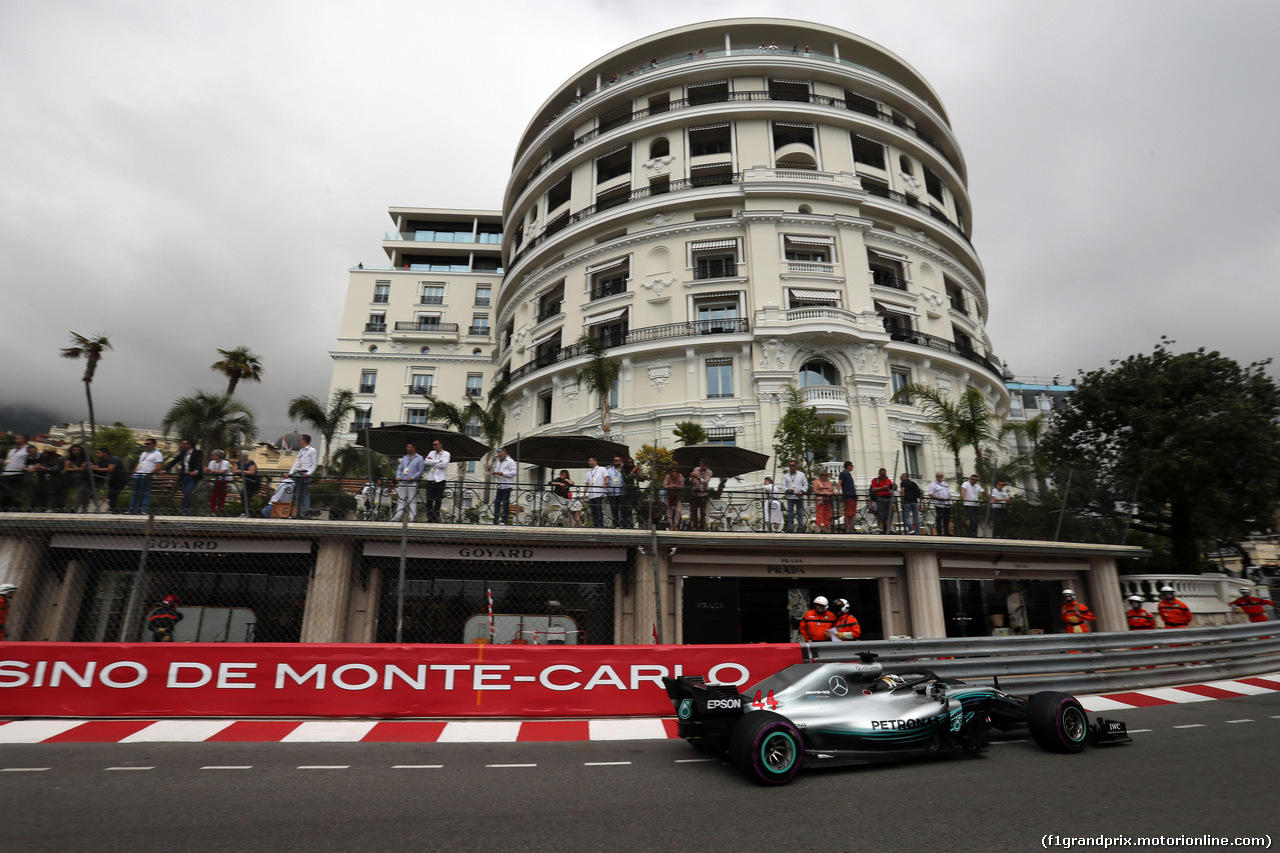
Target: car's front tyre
[(1057, 722), (767, 748)]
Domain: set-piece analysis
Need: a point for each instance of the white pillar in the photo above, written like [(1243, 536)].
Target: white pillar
[(325, 617), (1106, 599), (924, 591)]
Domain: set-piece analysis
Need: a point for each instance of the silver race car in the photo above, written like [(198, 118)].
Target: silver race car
[(856, 712)]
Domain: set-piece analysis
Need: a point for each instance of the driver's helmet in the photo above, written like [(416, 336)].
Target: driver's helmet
[(1135, 599), (891, 681), (171, 600), (820, 601), (841, 606)]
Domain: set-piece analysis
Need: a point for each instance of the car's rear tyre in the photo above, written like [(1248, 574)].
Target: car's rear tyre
[(1057, 722), (766, 747)]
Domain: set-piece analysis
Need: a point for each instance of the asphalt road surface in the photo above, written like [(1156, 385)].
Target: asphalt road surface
[(1203, 768)]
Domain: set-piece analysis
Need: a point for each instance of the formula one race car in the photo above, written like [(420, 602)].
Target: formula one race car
[(857, 712)]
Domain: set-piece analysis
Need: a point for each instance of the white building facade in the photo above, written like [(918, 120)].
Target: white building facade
[(731, 219)]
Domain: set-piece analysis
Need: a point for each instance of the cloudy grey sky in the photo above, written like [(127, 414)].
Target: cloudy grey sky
[(186, 176)]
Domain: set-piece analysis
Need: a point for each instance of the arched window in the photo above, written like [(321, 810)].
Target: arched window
[(817, 371), (904, 162), (659, 147)]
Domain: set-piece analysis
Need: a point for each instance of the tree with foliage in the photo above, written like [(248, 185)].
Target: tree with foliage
[(489, 421), (1195, 436), (803, 434), (599, 375), (1032, 431), (352, 461), (966, 422), (118, 440), (213, 421), (326, 420), (91, 350), (690, 432), (239, 364)]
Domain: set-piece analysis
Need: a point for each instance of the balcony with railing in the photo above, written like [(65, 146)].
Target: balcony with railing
[(620, 199), (550, 310), (634, 336), (442, 237), (422, 390), (375, 328), (611, 287), (411, 328), (818, 267), (367, 388), (431, 299), (478, 331), (616, 121), (882, 278), (910, 336)]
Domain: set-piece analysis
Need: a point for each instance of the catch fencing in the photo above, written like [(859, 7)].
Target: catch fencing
[(1084, 663)]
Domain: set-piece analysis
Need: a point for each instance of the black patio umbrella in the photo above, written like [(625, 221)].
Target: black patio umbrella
[(392, 439), (724, 460), (563, 451)]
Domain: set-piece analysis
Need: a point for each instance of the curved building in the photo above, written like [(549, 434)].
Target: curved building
[(732, 208)]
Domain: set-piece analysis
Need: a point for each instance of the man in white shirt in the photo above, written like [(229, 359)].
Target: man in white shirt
[(149, 462), (437, 465), (794, 485), (407, 474), (11, 477), (504, 472), (595, 480), (613, 488), (972, 494), (1000, 511), (941, 494), (301, 470)]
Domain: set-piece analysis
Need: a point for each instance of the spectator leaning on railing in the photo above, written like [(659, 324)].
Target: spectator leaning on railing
[(794, 485), (940, 493)]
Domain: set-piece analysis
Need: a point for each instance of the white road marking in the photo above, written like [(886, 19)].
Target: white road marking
[(227, 767), (416, 766), (694, 760), (324, 766), (34, 731), (1239, 721), (177, 731), (480, 731), (1138, 731), (604, 763), (627, 730), (330, 731), (1014, 740), (1191, 726), (129, 768), (510, 765), (22, 769), (1239, 687), (1101, 703), (1173, 694)]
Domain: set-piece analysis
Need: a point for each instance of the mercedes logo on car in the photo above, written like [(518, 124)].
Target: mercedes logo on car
[(838, 685)]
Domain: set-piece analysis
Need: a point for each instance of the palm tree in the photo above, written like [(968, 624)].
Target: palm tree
[(326, 420), (490, 421), (238, 364), (214, 421), (963, 423), (90, 349), (599, 375), (1032, 429), (690, 432), (350, 460)]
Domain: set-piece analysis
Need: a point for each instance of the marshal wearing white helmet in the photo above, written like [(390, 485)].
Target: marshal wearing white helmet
[(1074, 614), (6, 592), (1140, 618), (1252, 606), (1173, 612), (815, 624)]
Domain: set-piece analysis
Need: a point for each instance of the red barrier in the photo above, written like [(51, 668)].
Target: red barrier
[(347, 680)]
